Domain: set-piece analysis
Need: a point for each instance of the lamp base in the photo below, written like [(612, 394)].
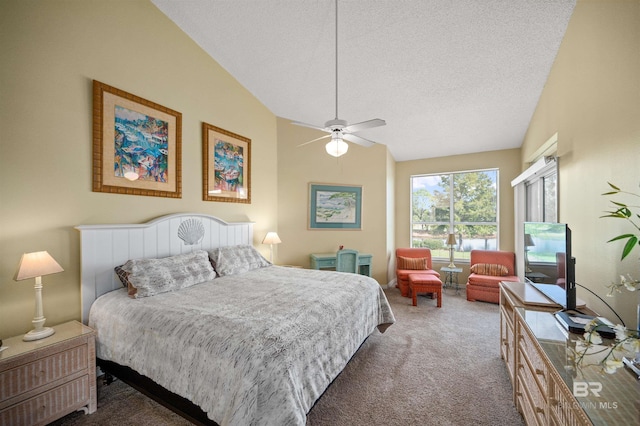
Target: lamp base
[(451, 265), (38, 334)]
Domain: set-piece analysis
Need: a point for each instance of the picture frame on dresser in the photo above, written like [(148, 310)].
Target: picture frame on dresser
[(137, 145), (226, 165), (335, 206)]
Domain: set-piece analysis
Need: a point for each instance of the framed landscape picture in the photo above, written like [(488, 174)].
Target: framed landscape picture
[(335, 206), (226, 159), (137, 145)]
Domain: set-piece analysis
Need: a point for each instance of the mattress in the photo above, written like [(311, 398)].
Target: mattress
[(258, 347)]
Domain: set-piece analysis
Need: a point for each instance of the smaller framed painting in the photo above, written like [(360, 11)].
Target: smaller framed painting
[(137, 145), (226, 159), (334, 206)]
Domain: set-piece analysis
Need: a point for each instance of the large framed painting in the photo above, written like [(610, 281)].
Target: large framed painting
[(226, 165), (137, 145), (335, 206)]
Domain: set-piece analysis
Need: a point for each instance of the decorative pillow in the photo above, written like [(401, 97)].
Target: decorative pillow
[(412, 263), (490, 269), (123, 275), (148, 277), (233, 260)]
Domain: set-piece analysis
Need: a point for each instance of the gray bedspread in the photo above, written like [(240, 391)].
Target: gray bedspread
[(257, 348)]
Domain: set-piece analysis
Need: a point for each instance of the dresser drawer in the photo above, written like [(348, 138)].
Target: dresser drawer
[(523, 401), (529, 353), (536, 399), (48, 406), (43, 371), (507, 350)]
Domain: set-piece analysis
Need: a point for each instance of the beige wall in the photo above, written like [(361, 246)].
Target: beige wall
[(506, 161), (592, 99), (51, 51), (299, 166)]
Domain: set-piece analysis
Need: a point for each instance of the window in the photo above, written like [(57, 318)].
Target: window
[(462, 203), (541, 196)]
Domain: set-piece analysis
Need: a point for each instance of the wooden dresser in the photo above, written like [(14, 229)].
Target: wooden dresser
[(537, 351), (43, 380)]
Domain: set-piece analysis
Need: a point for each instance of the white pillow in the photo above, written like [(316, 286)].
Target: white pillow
[(148, 277), (237, 259)]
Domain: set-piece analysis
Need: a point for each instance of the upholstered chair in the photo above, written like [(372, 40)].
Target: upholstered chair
[(347, 260), (487, 269), (412, 260)]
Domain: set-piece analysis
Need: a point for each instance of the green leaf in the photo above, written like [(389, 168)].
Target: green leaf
[(613, 186), (629, 246), (622, 237), (619, 204)]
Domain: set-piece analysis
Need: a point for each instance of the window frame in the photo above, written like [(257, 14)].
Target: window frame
[(451, 224)]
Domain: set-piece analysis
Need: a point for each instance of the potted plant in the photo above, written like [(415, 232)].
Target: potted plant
[(627, 342)]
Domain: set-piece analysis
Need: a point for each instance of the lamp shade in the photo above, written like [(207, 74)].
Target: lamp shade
[(451, 240), (528, 241), (337, 147), (36, 264), (271, 238)]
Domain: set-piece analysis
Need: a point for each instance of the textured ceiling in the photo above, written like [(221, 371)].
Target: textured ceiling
[(449, 77)]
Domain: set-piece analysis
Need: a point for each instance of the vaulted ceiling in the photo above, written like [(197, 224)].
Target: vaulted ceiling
[(449, 77)]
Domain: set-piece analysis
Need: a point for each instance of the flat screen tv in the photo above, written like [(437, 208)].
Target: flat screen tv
[(549, 266)]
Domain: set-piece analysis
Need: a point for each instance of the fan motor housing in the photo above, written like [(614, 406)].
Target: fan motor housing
[(335, 124)]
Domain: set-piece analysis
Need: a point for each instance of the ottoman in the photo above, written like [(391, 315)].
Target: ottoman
[(425, 283)]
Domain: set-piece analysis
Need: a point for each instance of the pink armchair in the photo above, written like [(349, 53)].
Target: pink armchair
[(493, 267), (412, 260)]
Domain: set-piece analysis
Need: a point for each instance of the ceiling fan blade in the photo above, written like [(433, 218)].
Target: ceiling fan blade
[(313, 126), (376, 122), (358, 140), (315, 140)]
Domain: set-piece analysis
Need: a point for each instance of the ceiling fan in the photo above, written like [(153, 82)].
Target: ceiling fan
[(339, 130)]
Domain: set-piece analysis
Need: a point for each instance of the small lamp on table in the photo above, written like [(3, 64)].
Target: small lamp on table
[(451, 242), (271, 238), (528, 242), (35, 265)]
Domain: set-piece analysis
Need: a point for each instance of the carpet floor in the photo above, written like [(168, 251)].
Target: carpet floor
[(435, 366)]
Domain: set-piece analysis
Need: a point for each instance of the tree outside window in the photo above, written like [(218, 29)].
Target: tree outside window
[(464, 203)]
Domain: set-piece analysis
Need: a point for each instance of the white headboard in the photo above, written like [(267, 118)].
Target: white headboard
[(104, 247)]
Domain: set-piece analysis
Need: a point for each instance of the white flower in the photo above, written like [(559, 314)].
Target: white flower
[(611, 365), (629, 283), (591, 325), (593, 337), (632, 345), (621, 332)]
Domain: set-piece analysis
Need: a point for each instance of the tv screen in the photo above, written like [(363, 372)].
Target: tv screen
[(548, 263)]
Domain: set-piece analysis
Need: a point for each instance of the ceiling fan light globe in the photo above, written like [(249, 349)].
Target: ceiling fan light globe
[(337, 147)]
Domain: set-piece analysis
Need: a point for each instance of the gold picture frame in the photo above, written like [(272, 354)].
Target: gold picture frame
[(137, 145), (226, 165)]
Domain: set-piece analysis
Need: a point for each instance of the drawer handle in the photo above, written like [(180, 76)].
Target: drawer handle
[(553, 401), (539, 372), (539, 410)]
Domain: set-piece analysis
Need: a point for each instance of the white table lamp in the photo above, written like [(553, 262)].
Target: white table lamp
[(35, 265), (528, 242), (271, 238), (451, 242)]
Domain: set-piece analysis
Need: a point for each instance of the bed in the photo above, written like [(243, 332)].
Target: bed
[(250, 343)]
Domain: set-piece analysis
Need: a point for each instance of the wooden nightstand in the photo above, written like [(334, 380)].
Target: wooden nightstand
[(43, 380)]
